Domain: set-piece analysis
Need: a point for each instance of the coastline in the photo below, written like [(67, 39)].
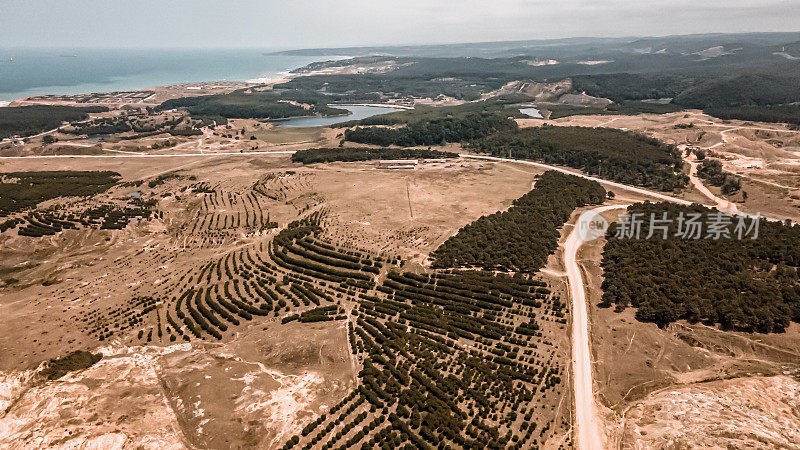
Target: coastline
[(187, 89), (42, 71)]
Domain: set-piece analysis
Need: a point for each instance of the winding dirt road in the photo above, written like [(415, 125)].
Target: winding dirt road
[(723, 205), (614, 184)]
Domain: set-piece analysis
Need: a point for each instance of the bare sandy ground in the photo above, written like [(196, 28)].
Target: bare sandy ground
[(255, 391), (762, 412)]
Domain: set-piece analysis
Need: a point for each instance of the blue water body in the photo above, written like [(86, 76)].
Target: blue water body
[(78, 71), (357, 112)]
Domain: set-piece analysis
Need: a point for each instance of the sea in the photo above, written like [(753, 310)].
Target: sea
[(61, 71)]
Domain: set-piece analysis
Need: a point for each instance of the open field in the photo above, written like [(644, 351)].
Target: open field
[(207, 307), (256, 299), (253, 391)]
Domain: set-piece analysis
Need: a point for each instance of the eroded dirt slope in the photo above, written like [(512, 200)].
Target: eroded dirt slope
[(762, 412)]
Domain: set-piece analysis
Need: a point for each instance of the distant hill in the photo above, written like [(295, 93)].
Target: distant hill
[(735, 75), (569, 47)]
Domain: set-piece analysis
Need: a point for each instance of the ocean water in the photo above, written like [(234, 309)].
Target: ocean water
[(77, 71)]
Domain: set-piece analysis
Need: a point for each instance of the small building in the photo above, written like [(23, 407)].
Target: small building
[(401, 166), (395, 162)]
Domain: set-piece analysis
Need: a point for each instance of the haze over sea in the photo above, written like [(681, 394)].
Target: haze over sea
[(76, 71)]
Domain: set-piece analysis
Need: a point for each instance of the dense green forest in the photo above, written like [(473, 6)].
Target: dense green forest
[(256, 104), (435, 131), (770, 113), (626, 107), (521, 238), (695, 90), (142, 126), (30, 120), (741, 90), (747, 284), (631, 86), (22, 190), (317, 155), (373, 87), (770, 96), (617, 155)]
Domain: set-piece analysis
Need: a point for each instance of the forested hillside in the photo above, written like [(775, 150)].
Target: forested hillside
[(630, 86), (372, 87), (767, 94), (771, 113), (742, 90), (618, 155), (521, 238), (747, 284), (29, 120), (259, 105)]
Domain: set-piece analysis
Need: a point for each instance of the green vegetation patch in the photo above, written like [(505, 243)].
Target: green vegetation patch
[(30, 120), (742, 90), (521, 238), (612, 154), (770, 96), (77, 360), (436, 131), (620, 87), (627, 108), (347, 154), (440, 353), (398, 85), (743, 284), (143, 126), (772, 113), (23, 190), (256, 105), (711, 171)]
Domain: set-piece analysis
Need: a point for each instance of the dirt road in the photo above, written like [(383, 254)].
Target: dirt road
[(152, 155), (613, 184), (723, 205), (590, 434)]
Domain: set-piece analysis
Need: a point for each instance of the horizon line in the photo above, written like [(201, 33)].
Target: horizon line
[(280, 48)]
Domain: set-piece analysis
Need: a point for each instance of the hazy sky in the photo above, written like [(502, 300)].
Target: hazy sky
[(332, 23)]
